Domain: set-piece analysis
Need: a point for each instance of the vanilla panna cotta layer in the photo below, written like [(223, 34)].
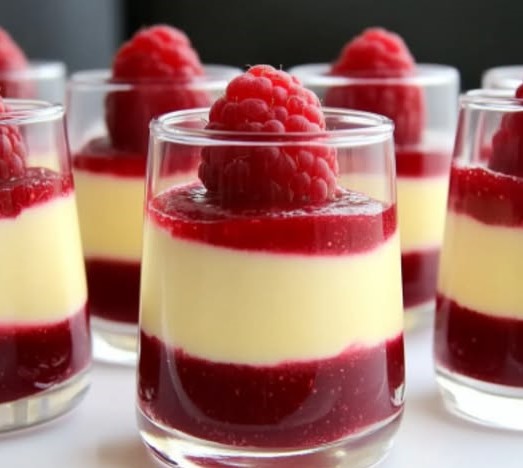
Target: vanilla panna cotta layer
[(421, 203), (472, 251), (280, 307), (111, 213), (43, 279)]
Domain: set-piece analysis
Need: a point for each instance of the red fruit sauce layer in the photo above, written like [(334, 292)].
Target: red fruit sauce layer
[(422, 162), (100, 157), (477, 345), (36, 186), (352, 223), (35, 357), (293, 404), (486, 196), (419, 276), (114, 289)]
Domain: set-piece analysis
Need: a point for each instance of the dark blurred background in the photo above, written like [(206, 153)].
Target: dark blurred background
[(470, 34)]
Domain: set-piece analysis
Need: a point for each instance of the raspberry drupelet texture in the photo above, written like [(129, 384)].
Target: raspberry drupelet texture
[(12, 149), (159, 63), (507, 143), (380, 54), (265, 100)]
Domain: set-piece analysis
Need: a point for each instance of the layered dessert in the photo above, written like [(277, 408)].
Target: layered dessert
[(156, 66), (44, 334), (479, 319), (263, 323), (382, 75)]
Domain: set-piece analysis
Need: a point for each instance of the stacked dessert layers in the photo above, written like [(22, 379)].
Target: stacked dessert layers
[(44, 338), (384, 81), (151, 75), (479, 321), (271, 310)]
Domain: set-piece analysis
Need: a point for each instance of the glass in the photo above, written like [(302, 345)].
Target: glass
[(478, 342), (108, 125), (44, 332), (423, 107), (43, 80), (507, 77), (265, 337)]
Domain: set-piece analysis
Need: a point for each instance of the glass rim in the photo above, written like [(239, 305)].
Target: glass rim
[(500, 100), (29, 111), (37, 69), (215, 76), (373, 128), (505, 76), (426, 74)]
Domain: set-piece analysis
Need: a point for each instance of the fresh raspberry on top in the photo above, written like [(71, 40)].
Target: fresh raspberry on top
[(507, 143), (12, 150), (12, 58), (266, 100), (160, 63), (378, 53)]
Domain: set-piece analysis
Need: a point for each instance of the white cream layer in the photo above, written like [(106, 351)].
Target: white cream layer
[(42, 275), (111, 213), (249, 307), (481, 266), (421, 205)]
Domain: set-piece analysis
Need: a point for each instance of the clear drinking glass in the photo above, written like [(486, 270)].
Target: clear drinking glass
[(108, 125), (44, 332), (478, 343), (270, 335), (41, 79), (505, 77), (423, 107)]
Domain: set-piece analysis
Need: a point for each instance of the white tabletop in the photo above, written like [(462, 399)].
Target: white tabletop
[(101, 432)]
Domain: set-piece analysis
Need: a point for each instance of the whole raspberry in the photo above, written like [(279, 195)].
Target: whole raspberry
[(266, 100), (12, 58), (159, 63), (378, 53), (507, 143), (12, 149)]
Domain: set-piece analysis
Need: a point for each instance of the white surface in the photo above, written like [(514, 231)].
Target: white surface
[(101, 432)]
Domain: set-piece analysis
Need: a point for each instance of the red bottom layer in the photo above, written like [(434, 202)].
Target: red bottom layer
[(34, 358), (477, 345), (296, 404), (114, 289), (419, 271)]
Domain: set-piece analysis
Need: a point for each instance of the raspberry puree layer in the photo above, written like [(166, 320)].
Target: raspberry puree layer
[(421, 162), (478, 345), (306, 270), (293, 404), (419, 272), (37, 356)]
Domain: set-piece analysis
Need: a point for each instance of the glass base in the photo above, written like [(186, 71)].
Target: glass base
[(484, 403), (179, 449), (419, 316), (114, 343), (44, 406)]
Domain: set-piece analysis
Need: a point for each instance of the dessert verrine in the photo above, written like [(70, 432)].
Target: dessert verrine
[(376, 72), (503, 77), (44, 332), (28, 79), (155, 72), (479, 315), (262, 321)]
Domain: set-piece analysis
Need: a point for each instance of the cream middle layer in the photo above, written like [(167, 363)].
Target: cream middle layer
[(42, 276), (480, 266), (421, 206), (247, 307), (111, 213)]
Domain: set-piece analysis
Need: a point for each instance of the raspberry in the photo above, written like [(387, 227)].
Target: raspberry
[(12, 150), (507, 143), (271, 101), (378, 53), (12, 58), (160, 63)]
